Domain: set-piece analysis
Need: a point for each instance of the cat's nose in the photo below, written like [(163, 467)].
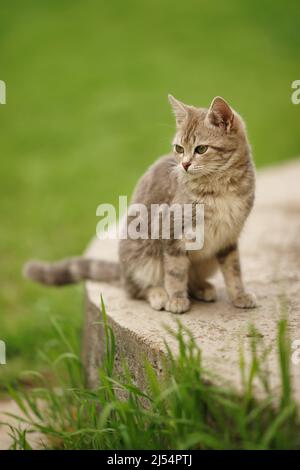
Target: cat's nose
[(186, 165)]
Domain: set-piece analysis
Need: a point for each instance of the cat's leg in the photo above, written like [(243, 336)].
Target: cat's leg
[(230, 266), (143, 279), (176, 269), (199, 287)]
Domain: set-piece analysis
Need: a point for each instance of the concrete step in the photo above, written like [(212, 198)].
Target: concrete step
[(270, 253)]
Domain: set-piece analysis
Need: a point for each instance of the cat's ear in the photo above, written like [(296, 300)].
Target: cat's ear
[(220, 114), (179, 109)]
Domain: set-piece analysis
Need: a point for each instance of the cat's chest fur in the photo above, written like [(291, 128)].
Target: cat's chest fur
[(224, 217)]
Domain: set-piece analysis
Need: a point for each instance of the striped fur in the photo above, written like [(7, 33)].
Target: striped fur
[(70, 271)]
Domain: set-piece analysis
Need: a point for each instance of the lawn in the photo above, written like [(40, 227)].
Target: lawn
[(87, 112)]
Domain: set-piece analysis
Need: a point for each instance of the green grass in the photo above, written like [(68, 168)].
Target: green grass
[(87, 112), (180, 410)]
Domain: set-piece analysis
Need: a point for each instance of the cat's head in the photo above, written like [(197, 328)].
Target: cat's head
[(208, 141)]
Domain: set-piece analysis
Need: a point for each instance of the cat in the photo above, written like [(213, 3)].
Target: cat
[(211, 164)]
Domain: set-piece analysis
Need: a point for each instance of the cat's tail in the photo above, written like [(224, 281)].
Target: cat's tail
[(70, 271)]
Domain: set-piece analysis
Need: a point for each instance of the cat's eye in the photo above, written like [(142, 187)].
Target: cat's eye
[(179, 149), (201, 149)]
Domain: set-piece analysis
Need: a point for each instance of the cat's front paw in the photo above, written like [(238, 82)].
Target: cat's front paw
[(245, 300), (177, 304)]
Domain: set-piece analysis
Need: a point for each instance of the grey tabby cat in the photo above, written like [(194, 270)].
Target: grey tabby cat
[(211, 164)]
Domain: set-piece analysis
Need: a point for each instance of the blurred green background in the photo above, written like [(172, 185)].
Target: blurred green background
[(87, 112)]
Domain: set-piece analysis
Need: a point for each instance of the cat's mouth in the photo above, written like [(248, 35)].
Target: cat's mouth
[(197, 170), (192, 169)]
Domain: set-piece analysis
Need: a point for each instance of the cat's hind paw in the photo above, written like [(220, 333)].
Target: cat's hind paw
[(206, 293), (157, 298)]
